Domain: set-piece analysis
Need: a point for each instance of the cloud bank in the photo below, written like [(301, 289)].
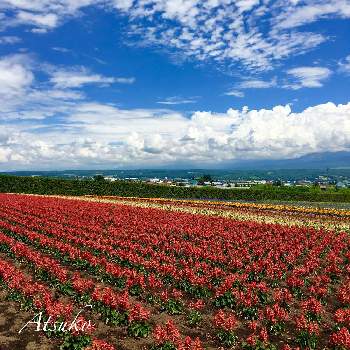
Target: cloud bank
[(94, 134)]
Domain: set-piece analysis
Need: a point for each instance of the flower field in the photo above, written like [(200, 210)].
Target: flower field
[(166, 275)]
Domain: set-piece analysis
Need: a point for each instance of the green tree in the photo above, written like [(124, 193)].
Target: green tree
[(205, 178), (99, 178)]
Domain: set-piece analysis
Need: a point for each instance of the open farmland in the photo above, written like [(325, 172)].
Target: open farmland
[(165, 275)]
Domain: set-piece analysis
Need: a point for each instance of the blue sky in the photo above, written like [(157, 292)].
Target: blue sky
[(122, 83)]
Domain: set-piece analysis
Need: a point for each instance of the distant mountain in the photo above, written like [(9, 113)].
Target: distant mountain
[(310, 161), (333, 165)]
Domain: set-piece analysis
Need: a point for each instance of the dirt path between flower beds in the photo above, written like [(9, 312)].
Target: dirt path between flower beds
[(12, 319)]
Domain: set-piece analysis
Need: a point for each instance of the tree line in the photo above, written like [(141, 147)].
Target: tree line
[(99, 186)]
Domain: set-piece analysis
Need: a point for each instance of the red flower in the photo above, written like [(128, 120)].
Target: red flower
[(263, 335), (341, 338), (197, 305), (226, 321), (100, 345), (138, 313)]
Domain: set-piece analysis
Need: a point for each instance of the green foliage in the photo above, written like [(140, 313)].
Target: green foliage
[(111, 316), (197, 292), (311, 316), (165, 346), (139, 329), (72, 342), (249, 313), (173, 307), (26, 303), (57, 186), (99, 178), (307, 340), (204, 178), (227, 338), (277, 328), (259, 345), (225, 300), (56, 330), (194, 318), (135, 290)]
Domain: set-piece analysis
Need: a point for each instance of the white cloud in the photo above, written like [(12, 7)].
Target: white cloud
[(256, 84), (178, 100), (48, 20), (42, 15), (312, 11), (124, 80), (253, 33), (61, 49), (94, 134), (10, 40), (344, 66), (309, 77), (123, 5), (20, 96), (235, 93), (15, 76), (223, 31), (250, 84), (74, 78)]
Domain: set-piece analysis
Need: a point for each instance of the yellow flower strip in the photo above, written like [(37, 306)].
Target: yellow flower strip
[(259, 206)]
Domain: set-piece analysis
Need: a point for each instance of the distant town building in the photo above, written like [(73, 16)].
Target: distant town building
[(342, 184), (244, 183), (304, 183)]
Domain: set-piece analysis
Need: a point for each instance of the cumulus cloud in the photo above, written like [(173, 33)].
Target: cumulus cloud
[(74, 78), (92, 134), (309, 77), (252, 33)]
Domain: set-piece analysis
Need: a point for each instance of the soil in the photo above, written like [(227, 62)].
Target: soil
[(12, 319)]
